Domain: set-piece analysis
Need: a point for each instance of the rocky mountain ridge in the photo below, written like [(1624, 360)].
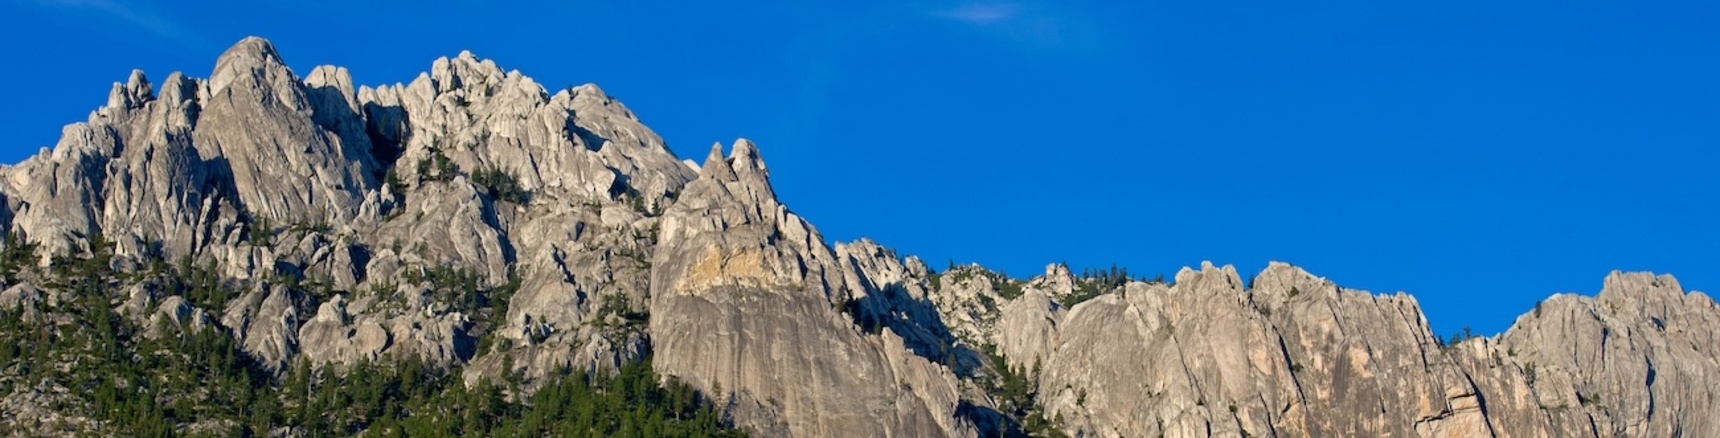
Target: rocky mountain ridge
[(475, 221)]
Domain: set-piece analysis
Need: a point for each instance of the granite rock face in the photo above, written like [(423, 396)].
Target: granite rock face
[(1638, 359), (746, 303), (257, 123), (472, 218), (260, 174), (1296, 355)]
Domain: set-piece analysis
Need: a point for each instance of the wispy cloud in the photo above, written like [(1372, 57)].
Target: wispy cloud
[(1029, 24), (980, 13), (131, 13)]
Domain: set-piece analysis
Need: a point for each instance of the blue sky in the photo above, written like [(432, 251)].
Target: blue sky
[(1478, 155)]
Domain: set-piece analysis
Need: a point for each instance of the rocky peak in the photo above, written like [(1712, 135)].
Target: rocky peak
[(180, 91), (137, 86), (591, 97), (1281, 281), (331, 87), (744, 166), (747, 163), (252, 62), (128, 96), (1642, 293), (751, 183), (1057, 281), (733, 191), (716, 166), (285, 165), (1210, 283), (732, 207), (1614, 364), (464, 71), (1210, 276)]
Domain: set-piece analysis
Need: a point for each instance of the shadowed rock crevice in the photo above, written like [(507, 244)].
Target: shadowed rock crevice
[(895, 295), (591, 140), (387, 128), (988, 422)]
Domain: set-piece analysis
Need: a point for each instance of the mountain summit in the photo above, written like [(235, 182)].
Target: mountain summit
[(474, 230)]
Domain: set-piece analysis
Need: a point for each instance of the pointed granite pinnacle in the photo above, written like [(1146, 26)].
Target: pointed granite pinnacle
[(746, 158), (717, 167), (133, 93)]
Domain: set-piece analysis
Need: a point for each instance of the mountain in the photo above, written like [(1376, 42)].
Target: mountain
[(471, 253)]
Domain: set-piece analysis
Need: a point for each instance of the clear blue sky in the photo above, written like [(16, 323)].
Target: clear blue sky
[(1478, 154)]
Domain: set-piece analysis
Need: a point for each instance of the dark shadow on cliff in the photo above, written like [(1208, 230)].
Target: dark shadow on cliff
[(387, 128), (591, 140), (918, 323), (988, 421)]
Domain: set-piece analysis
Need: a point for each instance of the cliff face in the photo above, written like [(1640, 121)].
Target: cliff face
[(475, 220), (1207, 356), (746, 299), (1638, 359)]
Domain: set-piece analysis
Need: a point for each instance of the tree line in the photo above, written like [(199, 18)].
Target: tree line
[(197, 380)]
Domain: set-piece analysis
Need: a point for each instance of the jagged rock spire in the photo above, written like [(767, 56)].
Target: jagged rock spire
[(717, 167)]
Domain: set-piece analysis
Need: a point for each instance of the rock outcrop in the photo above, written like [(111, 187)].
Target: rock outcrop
[(746, 303), (1297, 355), (474, 220), (1638, 359)]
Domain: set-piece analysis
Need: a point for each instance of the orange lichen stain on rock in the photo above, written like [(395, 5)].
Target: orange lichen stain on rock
[(719, 267)]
